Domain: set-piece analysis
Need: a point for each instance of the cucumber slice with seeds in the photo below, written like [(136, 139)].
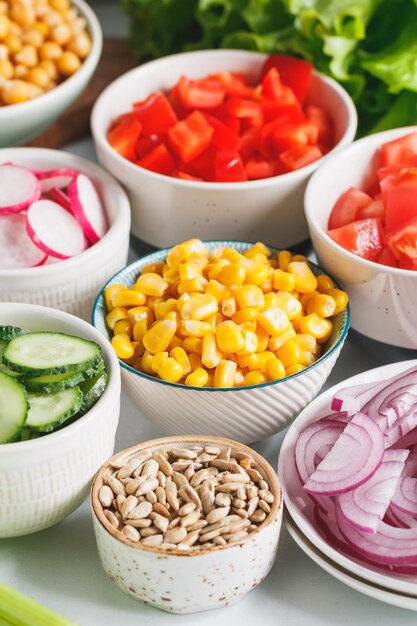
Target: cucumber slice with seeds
[(3, 367), (10, 332), (46, 412), (13, 407), (35, 354), (49, 383), (92, 390)]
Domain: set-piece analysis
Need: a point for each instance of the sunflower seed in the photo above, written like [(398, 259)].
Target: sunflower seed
[(147, 485), (217, 514), (152, 540), (164, 466), (176, 535), (131, 532), (187, 508), (142, 510), (105, 495), (183, 453), (111, 518), (190, 519), (150, 469)]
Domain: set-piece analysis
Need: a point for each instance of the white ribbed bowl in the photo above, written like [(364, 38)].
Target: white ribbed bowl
[(44, 480), (71, 285), (245, 414)]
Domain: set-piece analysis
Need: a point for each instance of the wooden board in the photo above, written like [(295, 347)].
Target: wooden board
[(75, 123)]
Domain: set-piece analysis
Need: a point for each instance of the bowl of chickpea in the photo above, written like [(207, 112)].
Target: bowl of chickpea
[(49, 50), (226, 338)]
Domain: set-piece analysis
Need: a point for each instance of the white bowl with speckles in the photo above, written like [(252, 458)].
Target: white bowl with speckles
[(198, 580)]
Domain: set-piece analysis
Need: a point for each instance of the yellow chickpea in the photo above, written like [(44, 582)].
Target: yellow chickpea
[(38, 76), (27, 56), (4, 26), (61, 33), (20, 71), (80, 45), (6, 69), (68, 64), (60, 5), (15, 91), (34, 37), (34, 91), (41, 27), (4, 7), (13, 43), (50, 68), (23, 14), (52, 18), (50, 50)]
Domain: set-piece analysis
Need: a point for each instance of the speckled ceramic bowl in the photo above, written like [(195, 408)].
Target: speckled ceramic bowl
[(197, 580)]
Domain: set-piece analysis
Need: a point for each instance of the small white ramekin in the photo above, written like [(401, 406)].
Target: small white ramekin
[(71, 285), (198, 580), (45, 479)]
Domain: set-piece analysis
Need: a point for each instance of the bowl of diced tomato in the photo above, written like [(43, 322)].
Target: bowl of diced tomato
[(361, 210), (220, 143)]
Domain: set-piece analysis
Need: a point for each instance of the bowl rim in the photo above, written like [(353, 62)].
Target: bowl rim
[(121, 219), (101, 140), (264, 466), (94, 28), (319, 176), (324, 357), (94, 413)]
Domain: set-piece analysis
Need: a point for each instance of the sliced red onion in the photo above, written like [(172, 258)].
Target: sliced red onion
[(401, 427), (401, 519), (405, 496), (353, 398), (353, 459), (365, 506), (313, 439), (391, 388), (410, 439)]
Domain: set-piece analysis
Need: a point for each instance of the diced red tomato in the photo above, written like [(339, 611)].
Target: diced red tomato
[(401, 205), (235, 84), (207, 93), (191, 136), (260, 168), (347, 207), (124, 136), (272, 85), (399, 150), (362, 237), (386, 257), (294, 72), (223, 138), (383, 172), (155, 114), (158, 160), (320, 118), (376, 208), (403, 244), (229, 168), (299, 156)]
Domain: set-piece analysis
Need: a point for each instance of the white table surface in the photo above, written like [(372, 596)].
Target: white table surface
[(60, 566)]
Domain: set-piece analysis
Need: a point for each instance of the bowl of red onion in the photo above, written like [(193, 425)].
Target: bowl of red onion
[(348, 469), (64, 229)]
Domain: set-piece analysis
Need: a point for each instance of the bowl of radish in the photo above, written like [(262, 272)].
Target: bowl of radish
[(59, 410), (362, 216), (64, 229), (225, 140)]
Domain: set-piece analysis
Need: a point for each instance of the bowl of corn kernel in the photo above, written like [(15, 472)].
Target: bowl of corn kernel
[(226, 338), (49, 50)]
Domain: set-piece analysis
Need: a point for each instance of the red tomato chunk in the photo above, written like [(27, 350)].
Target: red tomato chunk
[(381, 225), (223, 128)]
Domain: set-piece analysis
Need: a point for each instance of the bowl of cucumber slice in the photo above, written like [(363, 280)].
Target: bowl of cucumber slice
[(59, 410)]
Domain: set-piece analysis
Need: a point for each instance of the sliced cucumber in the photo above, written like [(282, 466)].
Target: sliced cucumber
[(9, 332), (92, 390), (46, 412), (49, 383), (26, 435), (3, 367), (13, 407), (36, 354)]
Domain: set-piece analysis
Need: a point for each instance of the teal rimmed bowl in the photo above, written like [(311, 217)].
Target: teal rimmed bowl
[(245, 414)]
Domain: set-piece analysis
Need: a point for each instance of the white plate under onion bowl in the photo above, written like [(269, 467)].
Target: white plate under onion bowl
[(300, 506)]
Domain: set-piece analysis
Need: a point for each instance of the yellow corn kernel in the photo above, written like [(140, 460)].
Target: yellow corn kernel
[(197, 284), (116, 314), (193, 345), (171, 371), (258, 257), (124, 327), (182, 300), (273, 320), (295, 369), (195, 361), (128, 297), (194, 328), (138, 313), (176, 342), (138, 350), (270, 299), (145, 363), (231, 255), (159, 336), (263, 338), (254, 378), (266, 286), (324, 283), (250, 296), (199, 259), (224, 374), (284, 259), (210, 353), (258, 248), (184, 250), (171, 275), (229, 337), (283, 281), (289, 353), (232, 274), (229, 307), (322, 304), (320, 328), (290, 305), (251, 342), (109, 294), (275, 343), (217, 290), (158, 360), (199, 307), (188, 270), (151, 284), (180, 355), (305, 299), (306, 342), (197, 378), (122, 346), (151, 301), (341, 300), (306, 358), (166, 306), (305, 281), (300, 258), (239, 378), (154, 268), (296, 323), (248, 314), (256, 361), (216, 268), (215, 254), (140, 329), (274, 369), (173, 316)]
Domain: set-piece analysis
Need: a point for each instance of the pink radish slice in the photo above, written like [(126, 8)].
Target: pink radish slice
[(353, 459), (365, 506), (18, 189), (87, 207), (61, 197), (17, 251), (59, 178), (54, 230)]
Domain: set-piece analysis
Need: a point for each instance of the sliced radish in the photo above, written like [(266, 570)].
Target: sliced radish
[(18, 189), (87, 207), (17, 251), (59, 178), (61, 197), (54, 230)]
